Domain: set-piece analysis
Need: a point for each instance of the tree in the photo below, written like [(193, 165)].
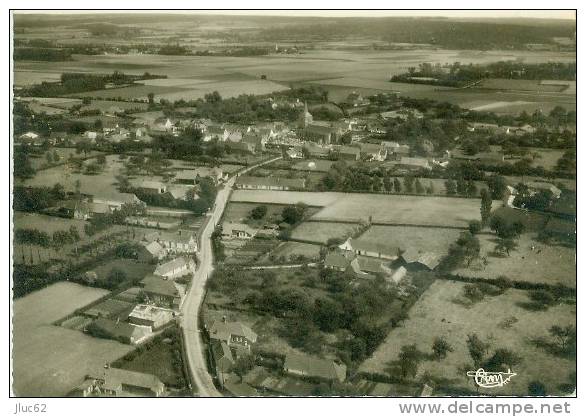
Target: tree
[(408, 183), (565, 337), (441, 348), (101, 159), (115, 278), (49, 157), (485, 205), (450, 187), (496, 185), (536, 389), (293, 214), (474, 227), (397, 185), (505, 245), (470, 246), (151, 98), (502, 359), (409, 359), (259, 212), (243, 365), (477, 349), (419, 187)]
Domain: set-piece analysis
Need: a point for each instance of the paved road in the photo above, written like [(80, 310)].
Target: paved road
[(195, 348)]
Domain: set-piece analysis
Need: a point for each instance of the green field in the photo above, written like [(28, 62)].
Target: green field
[(545, 264), (436, 314), (49, 360)]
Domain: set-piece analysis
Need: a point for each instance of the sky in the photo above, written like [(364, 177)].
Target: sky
[(541, 14)]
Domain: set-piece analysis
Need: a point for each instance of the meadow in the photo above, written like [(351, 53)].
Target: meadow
[(545, 264), (49, 360), (438, 314), (380, 208)]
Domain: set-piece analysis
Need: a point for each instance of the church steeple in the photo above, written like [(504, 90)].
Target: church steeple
[(305, 118)]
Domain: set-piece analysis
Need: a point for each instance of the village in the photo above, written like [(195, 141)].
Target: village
[(348, 237)]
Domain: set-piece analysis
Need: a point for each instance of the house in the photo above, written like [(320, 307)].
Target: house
[(192, 176), (369, 248), (114, 382), (116, 200), (256, 141), (535, 187), (234, 334), (74, 209), (294, 153), (395, 148), (347, 153), (180, 241), (398, 275), (245, 182), (338, 260), (373, 152), (214, 132), (28, 136), (265, 381), (311, 367), (223, 360), (161, 291), (418, 260), (355, 99), (178, 267), (91, 135), (366, 267), (240, 147), (155, 222), (150, 316), (149, 251), (154, 187), (117, 330), (232, 230), (314, 150)]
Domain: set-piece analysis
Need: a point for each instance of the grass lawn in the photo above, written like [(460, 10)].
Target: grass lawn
[(134, 270), (436, 314), (50, 360), (320, 232), (545, 264), (424, 239)]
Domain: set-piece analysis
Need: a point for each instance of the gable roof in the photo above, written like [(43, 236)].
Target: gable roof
[(229, 228), (171, 265), (154, 248), (114, 378), (429, 259), (315, 367), (364, 245), (336, 259), (221, 330)]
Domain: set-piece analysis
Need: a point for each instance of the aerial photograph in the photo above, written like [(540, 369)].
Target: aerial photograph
[(293, 204)]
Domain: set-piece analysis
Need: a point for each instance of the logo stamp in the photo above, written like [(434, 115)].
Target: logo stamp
[(491, 379)]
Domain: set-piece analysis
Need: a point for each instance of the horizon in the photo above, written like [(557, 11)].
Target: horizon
[(567, 15)]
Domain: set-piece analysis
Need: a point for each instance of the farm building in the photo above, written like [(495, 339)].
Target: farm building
[(155, 187), (232, 230), (373, 152), (161, 291), (116, 200), (369, 267), (347, 153), (366, 248), (149, 251), (176, 268), (113, 382), (234, 334), (180, 241), (269, 183), (338, 260), (308, 366), (222, 358), (417, 260), (120, 331), (150, 316), (319, 133), (156, 222), (192, 176), (313, 150), (74, 209), (256, 141), (182, 192)]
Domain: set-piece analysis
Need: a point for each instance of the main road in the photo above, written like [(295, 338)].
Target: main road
[(195, 348)]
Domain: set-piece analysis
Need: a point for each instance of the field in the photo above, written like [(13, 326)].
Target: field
[(544, 264), (48, 224), (320, 232), (424, 239), (393, 209), (436, 314), (134, 270), (50, 360), (523, 85), (342, 71), (547, 158)]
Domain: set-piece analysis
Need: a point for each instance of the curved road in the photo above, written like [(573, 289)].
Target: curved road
[(194, 346)]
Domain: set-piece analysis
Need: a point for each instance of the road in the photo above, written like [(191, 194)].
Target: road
[(195, 348)]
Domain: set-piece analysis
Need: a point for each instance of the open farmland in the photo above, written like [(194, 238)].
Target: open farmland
[(436, 314), (320, 232), (544, 264), (49, 360), (392, 209)]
